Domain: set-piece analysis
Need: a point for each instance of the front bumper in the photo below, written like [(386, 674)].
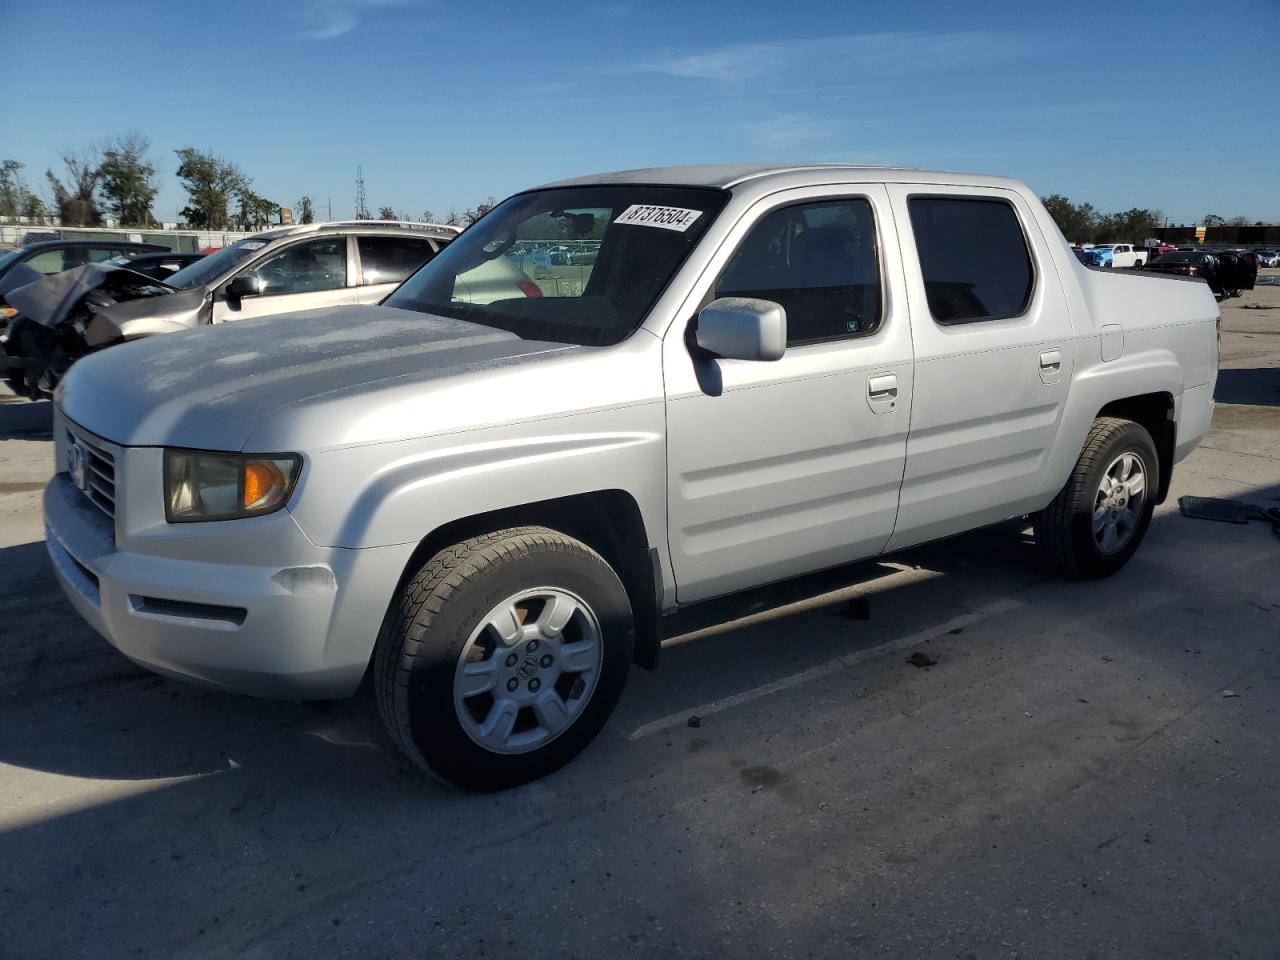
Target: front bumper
[(304, 630)]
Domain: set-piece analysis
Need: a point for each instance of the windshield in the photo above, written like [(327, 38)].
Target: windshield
[(576, 265), (210, 268)]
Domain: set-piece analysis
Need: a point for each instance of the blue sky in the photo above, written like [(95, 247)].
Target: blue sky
[(445, 104)]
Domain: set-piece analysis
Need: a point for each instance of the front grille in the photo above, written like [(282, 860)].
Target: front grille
[(99, 469)]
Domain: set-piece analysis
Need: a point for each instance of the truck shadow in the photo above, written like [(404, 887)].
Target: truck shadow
[(25, 419), (188, 794), (1256, 387), (70, 704)]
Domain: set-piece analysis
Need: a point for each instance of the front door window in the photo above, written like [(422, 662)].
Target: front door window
[(303, 268)]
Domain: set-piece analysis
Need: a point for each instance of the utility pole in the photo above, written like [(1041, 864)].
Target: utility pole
[(331, 208), (362, 209)]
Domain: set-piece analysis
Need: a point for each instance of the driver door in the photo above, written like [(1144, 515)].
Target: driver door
[(302, 276), (781, 468)]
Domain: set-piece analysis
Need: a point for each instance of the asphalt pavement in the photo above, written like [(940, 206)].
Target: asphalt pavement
[(950, 753)]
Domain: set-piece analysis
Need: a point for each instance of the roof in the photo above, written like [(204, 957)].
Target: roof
[(439, 230), (104, 242), (729, 175)]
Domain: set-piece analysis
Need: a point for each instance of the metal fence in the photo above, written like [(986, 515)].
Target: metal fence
[(184, 241)]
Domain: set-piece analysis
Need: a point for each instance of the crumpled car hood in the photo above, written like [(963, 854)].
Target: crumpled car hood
[(50, 300), (209, 388), (19, 276)]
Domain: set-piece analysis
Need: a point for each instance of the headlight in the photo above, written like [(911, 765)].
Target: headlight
[(225, 486)]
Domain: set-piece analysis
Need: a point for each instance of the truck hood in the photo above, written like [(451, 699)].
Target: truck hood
[(210, 388)]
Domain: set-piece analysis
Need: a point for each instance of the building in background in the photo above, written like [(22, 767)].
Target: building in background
[(1257, 235)]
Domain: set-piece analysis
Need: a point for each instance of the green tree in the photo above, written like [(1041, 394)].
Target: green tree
[(252, 211), (1137, 224), (1078, 223), (16, 199), (1213, 220), (128, 181), (306, 211), (76, 199), (211, 182)]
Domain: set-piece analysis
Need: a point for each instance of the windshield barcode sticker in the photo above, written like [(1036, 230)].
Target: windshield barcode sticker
[(668, 218)]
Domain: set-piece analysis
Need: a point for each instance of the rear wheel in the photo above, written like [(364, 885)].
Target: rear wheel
[(1100, 517), (503, 657)]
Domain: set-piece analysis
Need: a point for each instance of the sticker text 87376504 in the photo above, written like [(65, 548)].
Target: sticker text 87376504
[(668, 218)]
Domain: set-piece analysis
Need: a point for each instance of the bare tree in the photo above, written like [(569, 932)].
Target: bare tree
[(471, 216), (306, 211), (386, 213), (427, 217), (75, 200)]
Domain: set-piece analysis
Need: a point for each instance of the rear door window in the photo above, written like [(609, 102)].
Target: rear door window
[(973, 258), (52, 261), (819, 261), (392, 259)]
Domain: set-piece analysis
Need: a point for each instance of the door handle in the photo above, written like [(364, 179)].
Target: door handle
[(883, 387), (1051, 361)]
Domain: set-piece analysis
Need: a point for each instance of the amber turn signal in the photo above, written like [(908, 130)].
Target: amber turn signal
[(263, 483)]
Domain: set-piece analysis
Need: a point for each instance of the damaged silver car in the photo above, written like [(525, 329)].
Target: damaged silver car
[(63, 317)]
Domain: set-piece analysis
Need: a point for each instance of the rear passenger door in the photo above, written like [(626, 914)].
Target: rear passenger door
[(386, 261), (994, 356), (780, 468)]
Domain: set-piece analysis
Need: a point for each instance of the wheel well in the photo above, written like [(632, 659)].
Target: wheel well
[(608, 521), (1155, 412)]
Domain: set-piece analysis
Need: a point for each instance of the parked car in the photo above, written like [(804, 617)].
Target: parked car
[(498, 279), (1117, 255), (54, 256), (52, 320), (1227, 274), (159, 266), (1158, 250), (280, 271), (1268, 258), (485, 506)]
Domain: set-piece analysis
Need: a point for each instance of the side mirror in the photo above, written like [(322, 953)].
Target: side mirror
[(241, 287), (743, 328)]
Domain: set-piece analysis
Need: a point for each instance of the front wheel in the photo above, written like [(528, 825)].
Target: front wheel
[(1097, 521), (503, 657)]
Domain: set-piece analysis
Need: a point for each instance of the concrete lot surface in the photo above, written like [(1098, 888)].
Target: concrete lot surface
[(1088, 770)]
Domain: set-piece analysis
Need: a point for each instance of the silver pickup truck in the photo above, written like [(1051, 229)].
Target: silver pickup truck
[(486, 503)]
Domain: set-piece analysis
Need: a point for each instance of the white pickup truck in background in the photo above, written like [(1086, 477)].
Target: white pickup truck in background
[(1117, 255), (486, 504)]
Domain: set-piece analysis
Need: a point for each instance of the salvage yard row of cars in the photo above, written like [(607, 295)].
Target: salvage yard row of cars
[(65, 299), (1228, 272), (479, 491)]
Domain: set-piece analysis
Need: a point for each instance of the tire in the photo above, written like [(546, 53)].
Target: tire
[(517, 578), (1065, 530)]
